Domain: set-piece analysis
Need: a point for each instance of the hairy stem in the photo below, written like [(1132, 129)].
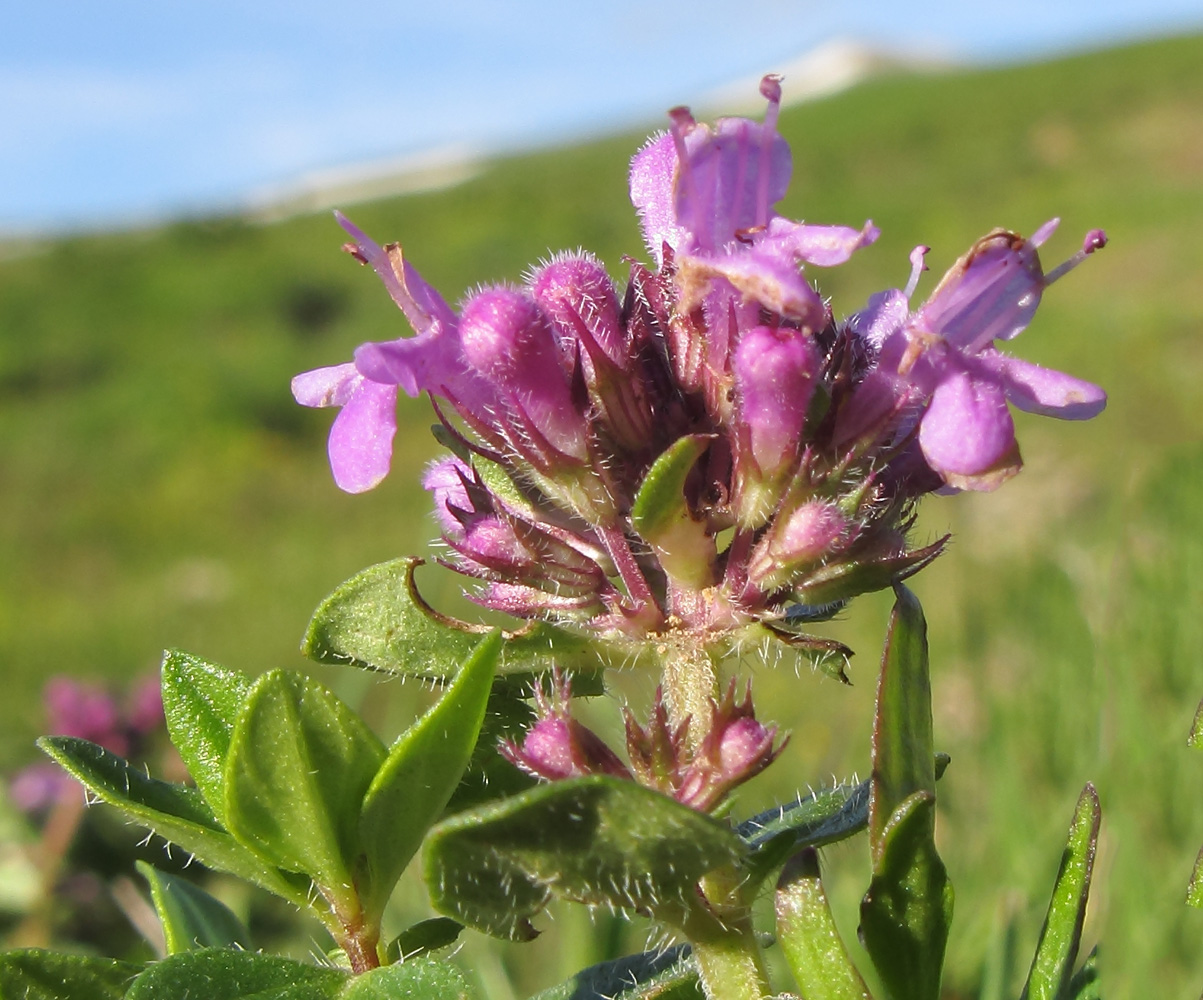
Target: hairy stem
[(690, 683), (730, 962)]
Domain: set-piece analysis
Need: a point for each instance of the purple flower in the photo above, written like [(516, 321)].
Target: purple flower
[(708, 195), (942, 359)]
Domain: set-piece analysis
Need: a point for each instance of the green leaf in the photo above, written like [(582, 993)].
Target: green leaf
[(377, 620), (417, 979), (808, 936), (422, 770), (227, 974), (201, 702), (847, 578), (1057, 950), (1194, 891), (1085, 983), (906, 913), (660, 514), (300, 763), (34, 974), (1196, 730), (669, 974), (191, 918), (508, 716), (823, 817), (424, 937), (903, 758), (596, 840), (175, 812)]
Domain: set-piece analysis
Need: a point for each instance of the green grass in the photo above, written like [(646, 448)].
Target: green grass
[(159, 487)]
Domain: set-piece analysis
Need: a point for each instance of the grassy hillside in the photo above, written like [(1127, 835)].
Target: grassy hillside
[(159, 487)]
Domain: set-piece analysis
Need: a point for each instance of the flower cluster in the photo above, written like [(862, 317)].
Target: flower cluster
[(698, 774), (711, 448)]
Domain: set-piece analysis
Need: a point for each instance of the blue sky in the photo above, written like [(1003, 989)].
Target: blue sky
[(111, 113)]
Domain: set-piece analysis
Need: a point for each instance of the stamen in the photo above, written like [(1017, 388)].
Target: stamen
[(683, 122), (1094, 240), (918, 266), (1044, 232), (770, 88)]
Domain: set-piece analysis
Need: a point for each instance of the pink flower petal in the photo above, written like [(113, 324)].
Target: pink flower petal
[(967, 430), (1044, 390), (823, 246), (361, 440), (325, 386)]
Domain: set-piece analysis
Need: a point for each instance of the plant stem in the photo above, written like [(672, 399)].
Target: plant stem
[(690, 684), (724, 945), (361, 944)]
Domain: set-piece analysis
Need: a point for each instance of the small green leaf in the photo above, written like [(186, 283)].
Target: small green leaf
[(424, 937), (822, 817), (654, 975), (1053, 966), (201, 702), (903, 758), (191, 918), (907, 911), (377, 621), (228, 974), (300, 763), (1085, 983), (660, 514), (1194, 891), (422, 770), (808, 936), (508, 716), (845, 579), (175, 812), (595, 840), (1196, 730), (417, 979), (34, 974)]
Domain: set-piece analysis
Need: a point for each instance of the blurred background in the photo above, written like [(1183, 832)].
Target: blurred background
[(168, 262)]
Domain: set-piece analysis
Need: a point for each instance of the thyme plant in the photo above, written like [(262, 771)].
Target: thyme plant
[(661, 476)]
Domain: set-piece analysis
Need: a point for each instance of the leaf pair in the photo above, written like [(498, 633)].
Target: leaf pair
[(291, 785), (906, 913)]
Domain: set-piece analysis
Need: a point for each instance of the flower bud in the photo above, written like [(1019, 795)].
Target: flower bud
[(737, 747), (506, 339), (775, 372), (798, 541), (576, 294), (557, 746)]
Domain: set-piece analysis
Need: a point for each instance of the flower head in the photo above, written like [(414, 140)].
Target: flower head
[(704, 449)]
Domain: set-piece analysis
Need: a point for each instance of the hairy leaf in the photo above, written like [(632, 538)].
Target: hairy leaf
[(654, 975), (174, 812), (376, 620), (34, 974), (596, 840), (299, 765), (422, 770), (201, 702), (227, 974), (1053, 966), (191, 918)]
